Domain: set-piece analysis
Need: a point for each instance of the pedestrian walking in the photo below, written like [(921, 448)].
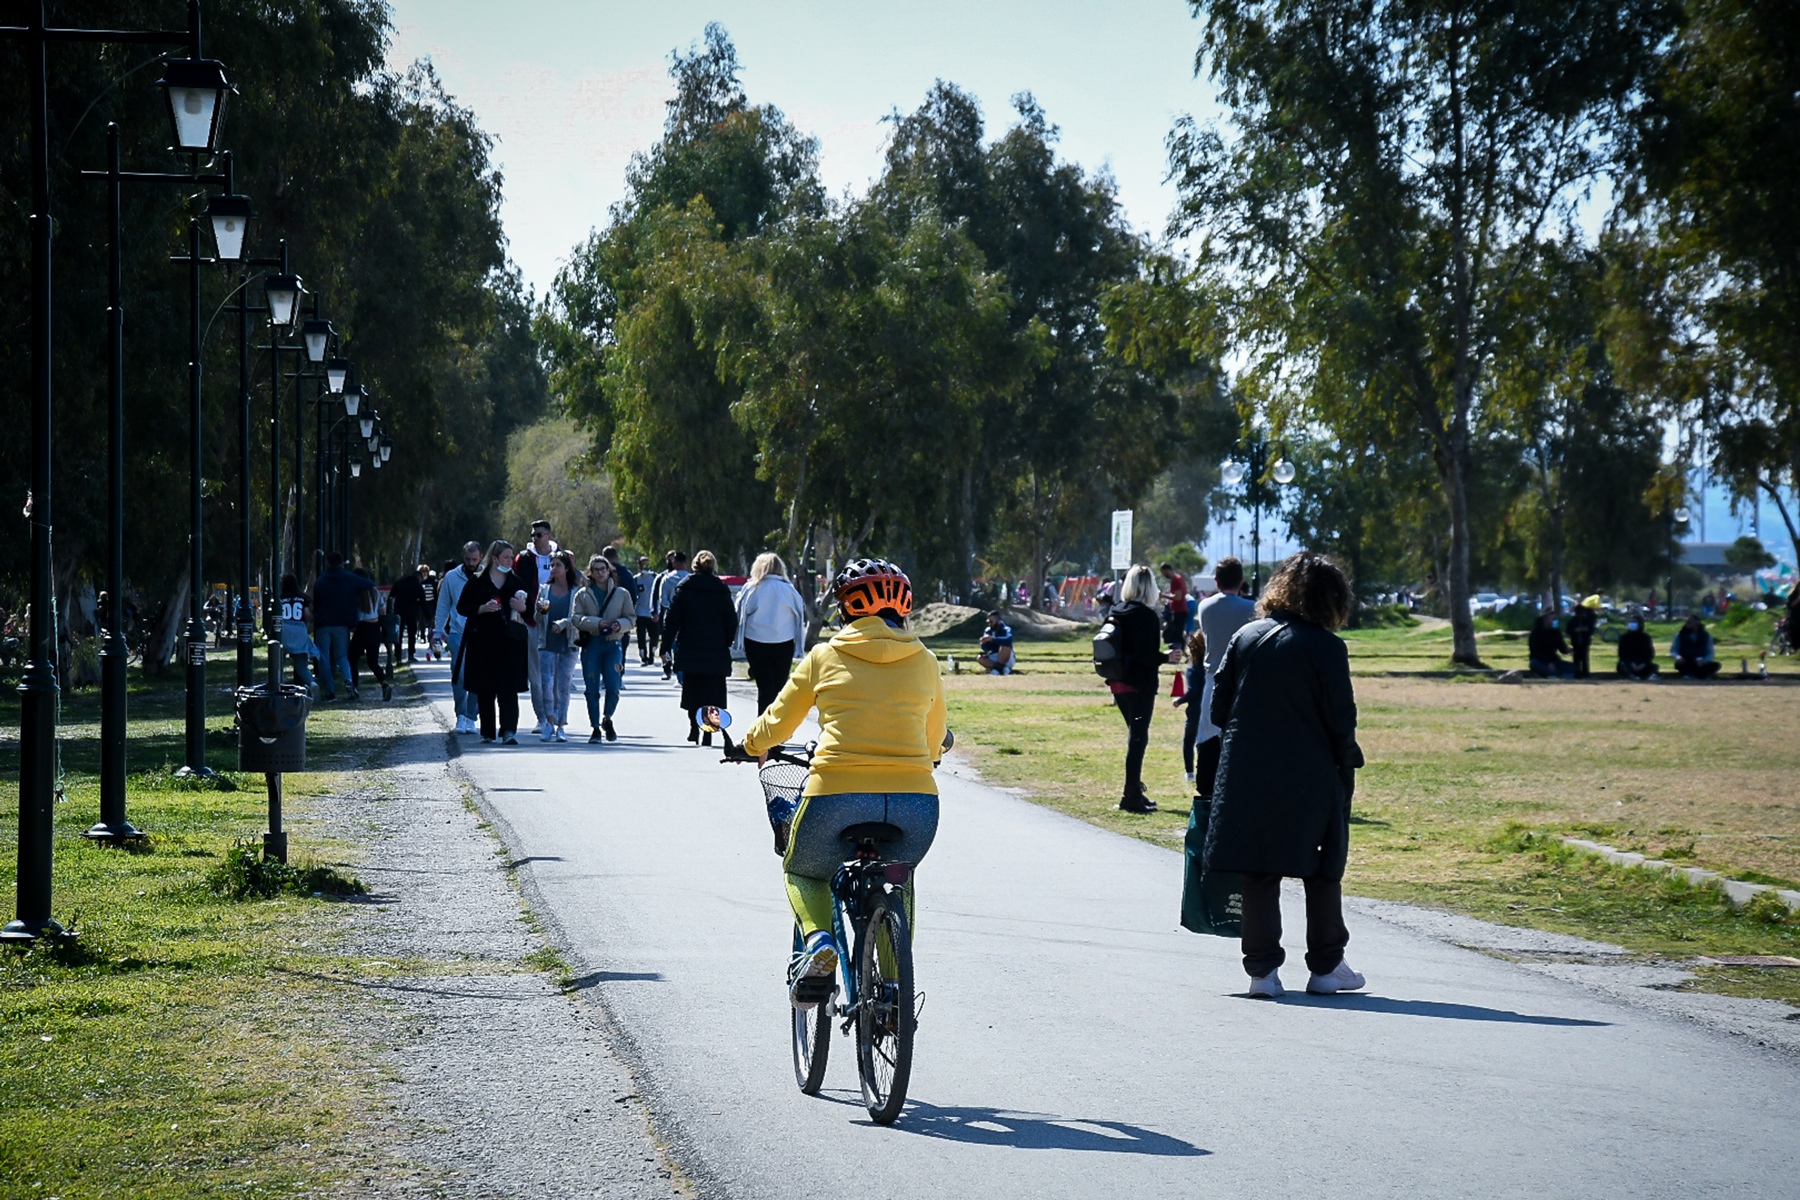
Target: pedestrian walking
[(556, 644), (366, 641), (1281, 805), (337, 610), (1190, 691), (698, 631), (450, 622), (603, 619), (1175, 617), (428, 590), (1220, 616), (406, 596), (666, 585), (296, 643), (494, 604), (646, 612), (620, 576), (532, 567), (1135, 692), (771, 627), (1583, 623)]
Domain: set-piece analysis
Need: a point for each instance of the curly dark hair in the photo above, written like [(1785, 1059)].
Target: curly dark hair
[(1311, 588)]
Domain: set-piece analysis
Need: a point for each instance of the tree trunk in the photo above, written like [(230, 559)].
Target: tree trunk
[(968, 531), (1456, 582), (168, 631), (1556, 560)]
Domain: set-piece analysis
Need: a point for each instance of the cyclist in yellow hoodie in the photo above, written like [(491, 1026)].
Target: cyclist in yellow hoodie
[(882, 728)]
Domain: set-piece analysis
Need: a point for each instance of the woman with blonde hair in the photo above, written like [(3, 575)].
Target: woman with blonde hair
[(700, 628), (1281, 806), (1134, 693), (771, 627)]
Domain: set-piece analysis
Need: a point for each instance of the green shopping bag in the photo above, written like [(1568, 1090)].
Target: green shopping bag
[(1211, 901)]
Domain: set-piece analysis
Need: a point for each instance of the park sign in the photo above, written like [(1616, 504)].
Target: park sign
[(1121, 539)]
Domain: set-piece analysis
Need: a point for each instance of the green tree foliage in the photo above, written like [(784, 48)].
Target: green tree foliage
[(383, 189), (1390, 170), (1716, 287), (549, 475), (1748, 555)]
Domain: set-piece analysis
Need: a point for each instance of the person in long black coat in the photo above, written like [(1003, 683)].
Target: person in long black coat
[(1281, 803), (701, 625), (1135, 694), (493, 660)]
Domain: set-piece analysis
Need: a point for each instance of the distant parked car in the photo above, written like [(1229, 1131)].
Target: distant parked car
[(1486, 602)]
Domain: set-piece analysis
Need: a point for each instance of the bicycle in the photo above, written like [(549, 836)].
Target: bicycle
[(869, 904), (1782, 642)]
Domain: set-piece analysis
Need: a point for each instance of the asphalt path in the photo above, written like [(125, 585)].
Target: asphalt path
[(1074, 1041)]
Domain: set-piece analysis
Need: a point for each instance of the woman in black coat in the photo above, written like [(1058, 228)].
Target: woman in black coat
[(701, 625), (1135, 694), (493, 658), (1281, 805)]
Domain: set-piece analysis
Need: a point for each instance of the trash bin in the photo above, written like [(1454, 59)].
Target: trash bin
[(272, 729)]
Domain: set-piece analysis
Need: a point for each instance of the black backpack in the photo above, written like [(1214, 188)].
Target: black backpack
[(1109, 652)]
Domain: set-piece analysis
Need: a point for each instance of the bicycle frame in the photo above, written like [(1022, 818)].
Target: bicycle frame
[(851, 888)]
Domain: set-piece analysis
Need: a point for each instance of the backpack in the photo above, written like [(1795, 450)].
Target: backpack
[(1109, 652)]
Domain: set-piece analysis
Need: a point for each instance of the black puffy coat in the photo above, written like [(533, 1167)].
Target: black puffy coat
[(493, 660), (1139, 630), (701, 625), (1281, 803)]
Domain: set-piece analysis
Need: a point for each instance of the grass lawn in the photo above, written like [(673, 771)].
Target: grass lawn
[(1468, 782), (187, 1044)]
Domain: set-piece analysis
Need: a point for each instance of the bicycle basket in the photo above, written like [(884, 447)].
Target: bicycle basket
[(782, 783)]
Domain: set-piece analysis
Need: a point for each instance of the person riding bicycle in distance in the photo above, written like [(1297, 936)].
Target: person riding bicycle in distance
[(882, 727)]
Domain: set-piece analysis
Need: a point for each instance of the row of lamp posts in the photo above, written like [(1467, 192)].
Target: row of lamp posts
[(196, 89)]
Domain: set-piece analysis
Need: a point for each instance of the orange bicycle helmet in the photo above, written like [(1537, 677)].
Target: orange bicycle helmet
[(868, 587)]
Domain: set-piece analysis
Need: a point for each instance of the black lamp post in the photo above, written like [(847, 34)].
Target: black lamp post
[(38, 689), (1678, 522), (1257, 472)]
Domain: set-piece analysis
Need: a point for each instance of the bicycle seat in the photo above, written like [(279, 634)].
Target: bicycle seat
[(878, 832)]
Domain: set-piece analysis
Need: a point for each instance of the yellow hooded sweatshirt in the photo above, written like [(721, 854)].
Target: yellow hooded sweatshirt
[(881, 711)]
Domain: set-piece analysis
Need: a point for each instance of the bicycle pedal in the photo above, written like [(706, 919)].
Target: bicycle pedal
[(815, 990)]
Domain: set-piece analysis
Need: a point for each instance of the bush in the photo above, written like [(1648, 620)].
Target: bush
[(1385, 616), (246, 875)]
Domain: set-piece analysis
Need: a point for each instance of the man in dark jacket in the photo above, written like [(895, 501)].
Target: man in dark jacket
[(1583, 623), (1637, 654), (1281, 806), (1692, 650), (407, 596), (337, 597), (1545, 648)]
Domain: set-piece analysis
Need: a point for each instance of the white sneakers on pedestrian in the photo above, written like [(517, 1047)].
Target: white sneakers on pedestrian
[(1268, 987), (562, 735), (1340, 979), (465, 725)]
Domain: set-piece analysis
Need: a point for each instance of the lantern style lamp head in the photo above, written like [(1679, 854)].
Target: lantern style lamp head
[(1283, 472), (353, 398), (283, 293), (375, 460), (368, 424), (356, 468), (375, 444), (316, 333), (337, 374), (1231, 473), (1681, 515), (196, 89), (387, 448), (230, 219)]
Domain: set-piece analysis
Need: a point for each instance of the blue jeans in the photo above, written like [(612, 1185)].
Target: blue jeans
[(462, 701), (602, 665), (302, 668), (556, 670), (334, 657)]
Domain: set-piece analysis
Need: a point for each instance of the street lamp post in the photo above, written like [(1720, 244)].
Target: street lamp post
[(1678, 521), (1255, 472), (38, 689)]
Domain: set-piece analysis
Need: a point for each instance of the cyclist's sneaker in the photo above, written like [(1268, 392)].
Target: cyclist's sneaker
[(1340, 978), (1267, 987), (814, 971)]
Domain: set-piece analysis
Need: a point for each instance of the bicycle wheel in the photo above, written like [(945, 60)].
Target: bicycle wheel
[(812, 1039), (884, 1010)]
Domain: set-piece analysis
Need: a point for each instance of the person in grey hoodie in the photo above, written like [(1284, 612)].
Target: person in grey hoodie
[(450, 624)]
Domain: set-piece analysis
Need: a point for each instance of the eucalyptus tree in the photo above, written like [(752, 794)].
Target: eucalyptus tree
[(1387, 173)]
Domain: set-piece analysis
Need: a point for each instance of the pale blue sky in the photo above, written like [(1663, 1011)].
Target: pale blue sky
[(572, 88)]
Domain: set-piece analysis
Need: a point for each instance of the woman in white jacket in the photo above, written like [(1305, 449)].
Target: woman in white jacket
[(771, 627)]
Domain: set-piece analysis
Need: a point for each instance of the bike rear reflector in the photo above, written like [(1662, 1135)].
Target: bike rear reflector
[(897, 873)]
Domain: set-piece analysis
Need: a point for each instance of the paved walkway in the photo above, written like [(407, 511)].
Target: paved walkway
[(1074, 1041)]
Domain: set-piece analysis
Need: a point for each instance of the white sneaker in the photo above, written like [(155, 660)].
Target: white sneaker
[(1190, 776), (464, 725), (562, 735), (1268, 987), (544, 733), (1341, 979)]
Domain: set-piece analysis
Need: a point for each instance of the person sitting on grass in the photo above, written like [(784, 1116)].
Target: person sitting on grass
[(1637, 654), (1546, 648), (996, 655), (1692, 650)]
